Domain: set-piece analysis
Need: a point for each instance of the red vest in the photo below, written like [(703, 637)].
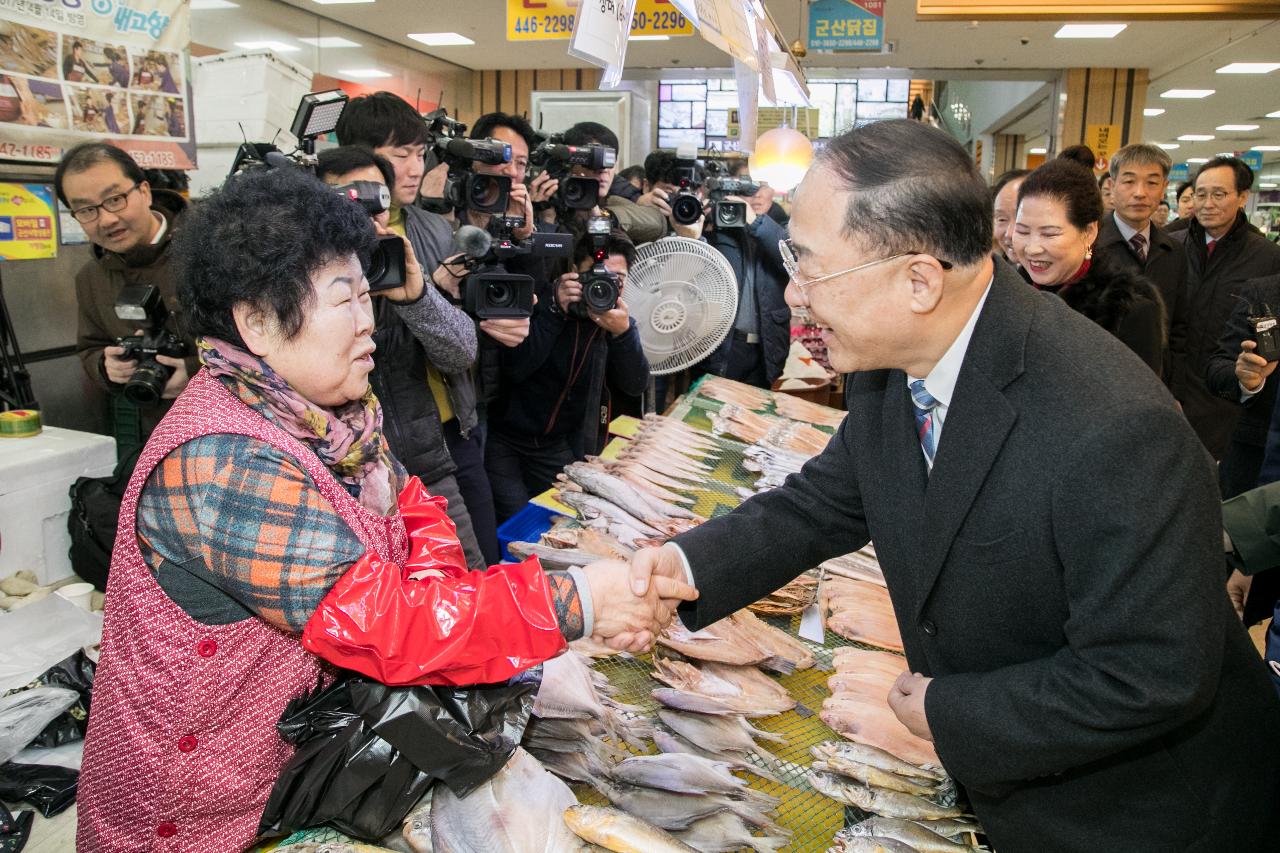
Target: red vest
[(182, 751)]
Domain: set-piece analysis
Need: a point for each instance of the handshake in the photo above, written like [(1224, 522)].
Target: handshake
[(633, 602)]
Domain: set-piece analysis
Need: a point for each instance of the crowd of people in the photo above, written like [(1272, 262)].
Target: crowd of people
[(1056, 563)]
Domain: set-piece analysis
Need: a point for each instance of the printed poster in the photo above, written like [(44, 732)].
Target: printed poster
[(27, 217), (847, 25), (72, 71)]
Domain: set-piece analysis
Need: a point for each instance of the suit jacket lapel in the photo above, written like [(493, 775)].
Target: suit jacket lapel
[(978, 420)]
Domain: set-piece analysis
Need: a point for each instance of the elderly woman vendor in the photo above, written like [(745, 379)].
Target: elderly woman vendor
[(267, 524)]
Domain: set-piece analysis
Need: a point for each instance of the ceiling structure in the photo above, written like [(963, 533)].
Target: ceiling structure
[(1179, 54)]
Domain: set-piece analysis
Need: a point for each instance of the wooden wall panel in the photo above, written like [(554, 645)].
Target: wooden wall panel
[(1104, 96), (509, 91)]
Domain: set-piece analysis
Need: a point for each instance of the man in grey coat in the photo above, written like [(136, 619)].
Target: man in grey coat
[(1046, 521)]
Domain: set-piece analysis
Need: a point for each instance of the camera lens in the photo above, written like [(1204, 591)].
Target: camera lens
[(580, 193), (377, 267), (600, 295), (730, 215), (686, 209), (499, 294), (146, 386), (484, 193)]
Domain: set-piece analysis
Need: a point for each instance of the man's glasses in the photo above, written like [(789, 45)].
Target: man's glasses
[(111, 204), (1218, 196), (792, 266)]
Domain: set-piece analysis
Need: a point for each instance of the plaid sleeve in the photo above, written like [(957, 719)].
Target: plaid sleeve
[(264, 533), (568, 605)]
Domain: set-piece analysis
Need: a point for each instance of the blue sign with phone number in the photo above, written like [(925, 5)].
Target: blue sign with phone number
[(846, 25)]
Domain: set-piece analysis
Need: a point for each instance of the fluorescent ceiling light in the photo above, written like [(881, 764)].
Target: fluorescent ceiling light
[(1275, 114), (1265, 148), (1266, 186), (1188, 93), (648, 38), (278, 46), (1037, 151), (1153, 112), (1195, 137), (207, 5), (340, 2), (330, 41), (1168, 146), (1197, 159), (441, 39), (1249, 68), (362, 73), (1240, 127), (1089, 31)]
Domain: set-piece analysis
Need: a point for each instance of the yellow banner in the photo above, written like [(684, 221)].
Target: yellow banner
[(548, 20), (1104, 139), (26, 222)]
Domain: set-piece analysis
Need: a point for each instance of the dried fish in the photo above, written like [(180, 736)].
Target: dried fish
[(708, 645), (579, 766), (416, 830), (909, 832), (843, 842), (740, 639), (871, 776), (598, 481), (620, 832), (679, 772), (870, 721), (727, 832), (672, 743), (886, 803), (878, 758), (592, 506), (728, 689), (790, 600), (552, 558), (861, 612), (718, 734), (673, 811)]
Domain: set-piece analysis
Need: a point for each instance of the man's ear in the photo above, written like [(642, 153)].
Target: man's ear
[(256, 329), (926, 277)]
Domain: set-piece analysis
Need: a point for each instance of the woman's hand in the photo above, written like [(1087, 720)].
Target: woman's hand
[(411, 290)]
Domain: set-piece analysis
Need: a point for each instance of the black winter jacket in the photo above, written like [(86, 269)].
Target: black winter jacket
[(1213, 286), (1126, 305), (1255, 412)]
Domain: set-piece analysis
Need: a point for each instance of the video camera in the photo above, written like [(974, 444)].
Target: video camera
[(730, 214), (318, 114), (142, 305), (490, 291), (600, 288), (464, 189), (557, 159), (686, 207)]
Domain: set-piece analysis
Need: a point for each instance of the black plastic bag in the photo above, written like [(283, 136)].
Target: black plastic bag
[(366, 752), (75, 673), (14, 831), (48, 787)]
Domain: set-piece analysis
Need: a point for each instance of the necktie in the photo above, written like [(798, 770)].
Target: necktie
[(1139, 244), (1209, 247), (926, 418)]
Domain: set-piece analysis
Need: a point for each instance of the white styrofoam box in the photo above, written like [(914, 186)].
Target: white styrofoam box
[(252, 87), (35, 476)]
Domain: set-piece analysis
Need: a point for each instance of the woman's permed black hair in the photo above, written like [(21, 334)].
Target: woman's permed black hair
[(1067, 182), (257, 240)]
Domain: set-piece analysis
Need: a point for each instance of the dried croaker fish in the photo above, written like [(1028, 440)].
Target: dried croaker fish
[(618, 831), (886, 803)]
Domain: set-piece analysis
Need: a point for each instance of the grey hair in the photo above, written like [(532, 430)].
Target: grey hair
[(912, 188), (1140, 154)]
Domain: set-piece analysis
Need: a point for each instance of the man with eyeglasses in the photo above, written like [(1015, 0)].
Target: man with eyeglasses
[(1223, 252), (1046, 521), (130, 226)]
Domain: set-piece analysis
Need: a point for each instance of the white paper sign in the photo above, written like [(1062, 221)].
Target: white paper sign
[(748, 102), (600, 36), (763, 42)]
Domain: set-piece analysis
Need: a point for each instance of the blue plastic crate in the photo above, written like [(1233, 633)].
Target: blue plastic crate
[(525, 526)]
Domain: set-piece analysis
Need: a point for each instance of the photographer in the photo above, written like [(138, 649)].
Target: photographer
[(421, 374), (641, 224), (662, 177), (555, 391), (130, 226)]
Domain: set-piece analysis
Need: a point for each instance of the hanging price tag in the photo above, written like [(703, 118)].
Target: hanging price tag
[(600, 36)]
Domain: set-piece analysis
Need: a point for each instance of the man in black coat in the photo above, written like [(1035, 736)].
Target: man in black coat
[(1223, 252), (1047, 524), (1129, 239)]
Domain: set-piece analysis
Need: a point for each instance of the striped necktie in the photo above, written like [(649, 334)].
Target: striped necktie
[(926, 418), (1139, 243)]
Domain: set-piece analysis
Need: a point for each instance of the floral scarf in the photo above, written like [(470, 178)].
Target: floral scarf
[(348, 439)]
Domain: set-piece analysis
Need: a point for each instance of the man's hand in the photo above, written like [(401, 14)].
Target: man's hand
[(656, 197), (520, 204), (509, 333), (615, 321), (118, 370), (446, 279), (751, 211), (1252, 370), (1238, 590), (568, 290), (624, 620), (178, 380), (906, 700), (411, 290), (543, 188), (693, 232)]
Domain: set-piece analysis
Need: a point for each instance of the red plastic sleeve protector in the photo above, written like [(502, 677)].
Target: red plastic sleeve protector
[(431, 621)]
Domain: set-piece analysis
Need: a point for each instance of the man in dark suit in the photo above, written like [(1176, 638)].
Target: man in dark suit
[(1046, 521), (1129, 239)]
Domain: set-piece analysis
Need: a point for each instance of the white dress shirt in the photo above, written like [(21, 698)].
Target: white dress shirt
[(1127, 233)]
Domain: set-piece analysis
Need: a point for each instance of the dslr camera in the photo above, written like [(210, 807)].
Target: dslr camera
[(386, 267), (463, 188), (600, 288), (686, 207), (490, 291), (728, 215), (557, 159), (142, 305)]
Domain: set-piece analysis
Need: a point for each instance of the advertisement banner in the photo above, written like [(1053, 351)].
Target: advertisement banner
[(26, 222), (547, 20), (72, 71), (1104, 139), (847, 25)]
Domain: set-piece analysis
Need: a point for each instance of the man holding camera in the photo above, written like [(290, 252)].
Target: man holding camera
[(421, 369), (554, 406), (641, 224), (130, 226), (673, 186)]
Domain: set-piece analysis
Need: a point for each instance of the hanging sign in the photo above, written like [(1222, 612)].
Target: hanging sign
[(600, 37), (548, 20), (72, 71), (1253, 158), (1104, 139), (847, 25), (27, 222), (1180, 172)]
